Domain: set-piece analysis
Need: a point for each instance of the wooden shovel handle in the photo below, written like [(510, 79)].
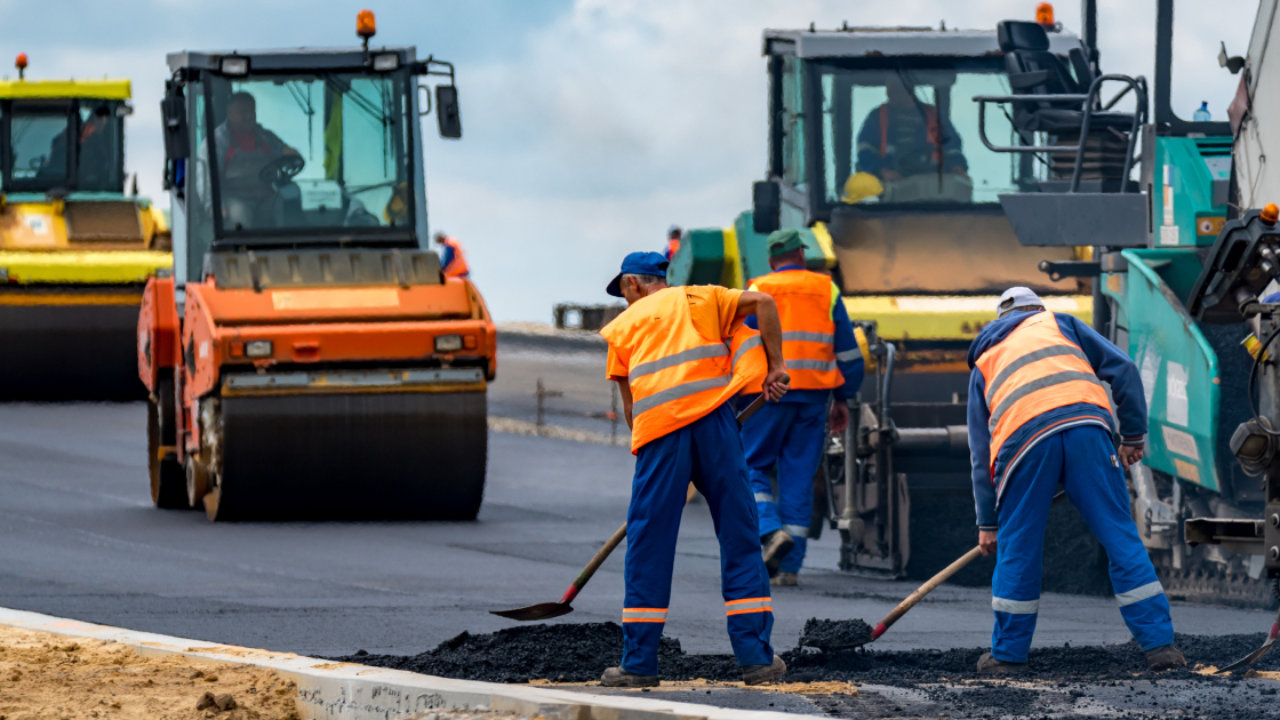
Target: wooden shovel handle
[(603, 554), (934, 582), (923, 590)]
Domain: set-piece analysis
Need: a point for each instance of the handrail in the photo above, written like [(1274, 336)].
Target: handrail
[(1088, 101)]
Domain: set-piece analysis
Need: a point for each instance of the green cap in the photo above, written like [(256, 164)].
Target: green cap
[(784, 241)]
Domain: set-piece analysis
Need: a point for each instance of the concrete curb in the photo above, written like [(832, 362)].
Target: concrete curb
[(346, 691)]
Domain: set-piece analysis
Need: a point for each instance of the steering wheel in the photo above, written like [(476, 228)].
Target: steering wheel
[(281, 170)]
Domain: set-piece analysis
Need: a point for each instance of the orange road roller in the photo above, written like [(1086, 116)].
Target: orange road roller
[(307, 358)]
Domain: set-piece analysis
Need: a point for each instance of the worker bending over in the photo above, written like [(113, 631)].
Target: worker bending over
[(1039, 417), (678, 356), (452, 262), (787, 438)]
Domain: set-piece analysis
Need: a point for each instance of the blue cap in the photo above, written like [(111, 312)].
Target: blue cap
[(638, 263)]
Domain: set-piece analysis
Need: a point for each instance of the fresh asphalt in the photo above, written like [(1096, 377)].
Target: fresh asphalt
[(79, 538)]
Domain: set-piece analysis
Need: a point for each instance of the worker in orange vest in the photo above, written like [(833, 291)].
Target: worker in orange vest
[(786, 440), (1039, 416), (679, 354), (452, 262), (673, 241)]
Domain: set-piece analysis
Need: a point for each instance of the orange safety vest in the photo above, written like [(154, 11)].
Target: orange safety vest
[(457, 266), (673, 246), (804, 302), (1034, 370), (678, 375)]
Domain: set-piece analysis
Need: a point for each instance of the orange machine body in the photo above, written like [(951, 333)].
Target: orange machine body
[(308, 328)]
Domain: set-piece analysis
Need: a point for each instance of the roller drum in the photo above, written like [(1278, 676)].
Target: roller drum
[(406, 455), (69, 352)]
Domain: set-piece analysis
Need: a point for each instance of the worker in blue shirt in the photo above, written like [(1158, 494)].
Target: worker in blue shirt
[(787, 438), (1040, 417)]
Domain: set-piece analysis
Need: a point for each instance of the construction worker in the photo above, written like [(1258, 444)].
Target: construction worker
[(905, 137), (452, 262), (673, 241), (787, 438), (244, 149), (679, 354), (1039, 417)]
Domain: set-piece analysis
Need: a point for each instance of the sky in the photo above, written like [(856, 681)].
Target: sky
[(589, 126)]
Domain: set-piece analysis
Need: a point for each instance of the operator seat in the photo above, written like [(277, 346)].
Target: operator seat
[(1034, 70)]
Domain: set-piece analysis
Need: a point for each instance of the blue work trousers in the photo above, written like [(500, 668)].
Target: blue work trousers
[(786, 440), (1083, 460), (708, 453)]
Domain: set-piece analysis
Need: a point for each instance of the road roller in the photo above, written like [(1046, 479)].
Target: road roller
[(307, 358), (75, 249)]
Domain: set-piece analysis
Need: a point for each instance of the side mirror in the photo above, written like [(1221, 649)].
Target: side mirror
[(1232, 64), (173, 113), (447, 111), (766, 204)]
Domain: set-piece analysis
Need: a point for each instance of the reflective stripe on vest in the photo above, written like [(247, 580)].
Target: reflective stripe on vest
[(804, 302), (457, 266), (1034, 370), (676, 374)]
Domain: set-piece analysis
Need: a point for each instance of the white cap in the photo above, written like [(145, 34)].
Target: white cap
[(1017, 297)]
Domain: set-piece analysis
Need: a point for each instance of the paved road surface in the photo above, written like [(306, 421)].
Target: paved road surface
[(79, 538)]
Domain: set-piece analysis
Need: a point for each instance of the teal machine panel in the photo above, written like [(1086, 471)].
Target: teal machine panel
[(1190, 174), (1179, 368)]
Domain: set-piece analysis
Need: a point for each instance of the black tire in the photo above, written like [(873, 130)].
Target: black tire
[(168, 481)]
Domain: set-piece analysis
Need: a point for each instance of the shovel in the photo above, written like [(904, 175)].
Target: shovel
[(1256, 655), (928, 587), (548, 610)]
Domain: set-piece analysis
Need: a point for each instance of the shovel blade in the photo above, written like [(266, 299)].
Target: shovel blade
[(541, 611), (1251, 658), (1256, 655)]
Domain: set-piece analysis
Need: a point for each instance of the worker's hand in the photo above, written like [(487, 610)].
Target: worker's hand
[(776, 383), (987, 542), (838, 418), (1130, 454)]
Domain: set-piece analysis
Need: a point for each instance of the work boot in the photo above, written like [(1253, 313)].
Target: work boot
[(785, 579), (1165, 657), (991, 665), (759, 674), (617, 677), (775, 546)]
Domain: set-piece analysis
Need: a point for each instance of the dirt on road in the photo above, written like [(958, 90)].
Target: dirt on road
[(61, 678)]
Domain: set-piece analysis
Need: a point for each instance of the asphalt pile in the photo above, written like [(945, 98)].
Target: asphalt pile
[(580, 652)]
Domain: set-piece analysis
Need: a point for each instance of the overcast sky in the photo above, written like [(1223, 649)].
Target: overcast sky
[(589, 125)]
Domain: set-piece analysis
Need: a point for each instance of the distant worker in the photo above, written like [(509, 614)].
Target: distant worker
[(905, 137), (452, 262), (678, 355), (786, 439), (673, 241), (97, 159), (1039, 417)]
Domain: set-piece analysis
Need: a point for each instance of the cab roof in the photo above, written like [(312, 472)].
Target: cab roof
[(896, 42), (61, 89), (287, 59)]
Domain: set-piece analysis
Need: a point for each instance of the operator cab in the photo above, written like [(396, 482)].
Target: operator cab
[(884, 116), (298, 150), (58, 145)]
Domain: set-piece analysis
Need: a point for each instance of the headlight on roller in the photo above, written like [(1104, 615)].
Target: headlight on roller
[(257, 348), (448, 343)]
